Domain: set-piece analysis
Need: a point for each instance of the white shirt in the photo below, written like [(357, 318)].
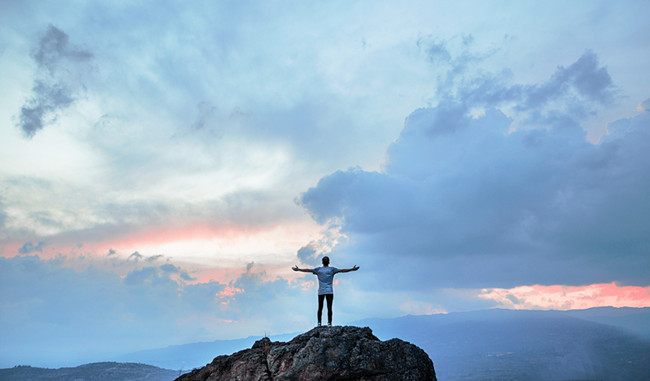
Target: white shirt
[(325, 279)]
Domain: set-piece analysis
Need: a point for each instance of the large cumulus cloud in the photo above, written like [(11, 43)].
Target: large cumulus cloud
[(496, 186)]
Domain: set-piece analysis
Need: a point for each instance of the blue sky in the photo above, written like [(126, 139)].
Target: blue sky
[(164, 164)]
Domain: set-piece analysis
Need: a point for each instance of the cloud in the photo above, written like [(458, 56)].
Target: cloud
[(140, 276), (154, 258), (477, 200), (183, 275), (3, 215), (29, 247), (54, 48), (57, 86), (644, 106), (168, 267), (135, 257), (583, 78), (312, 253), (186, 277), (101, 314), (569, 298), (47, 99), (308, 253), (570, 94)]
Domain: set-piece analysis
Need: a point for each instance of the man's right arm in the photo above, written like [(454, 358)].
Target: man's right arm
[(296, 268)]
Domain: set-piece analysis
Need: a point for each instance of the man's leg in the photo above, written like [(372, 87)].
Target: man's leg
[(320, 307), (330, 299)]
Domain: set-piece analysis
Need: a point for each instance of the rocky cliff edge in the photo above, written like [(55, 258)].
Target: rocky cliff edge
[(324, 353)]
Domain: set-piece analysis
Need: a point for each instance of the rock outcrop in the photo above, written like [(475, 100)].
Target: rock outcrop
[(326, 353)]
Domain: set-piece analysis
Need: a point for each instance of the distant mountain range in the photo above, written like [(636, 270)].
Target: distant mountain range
[(594, 344), (195, 355), (530, 345), (102, 371)]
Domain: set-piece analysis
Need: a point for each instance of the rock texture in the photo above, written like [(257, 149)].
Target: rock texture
[(326, 353)]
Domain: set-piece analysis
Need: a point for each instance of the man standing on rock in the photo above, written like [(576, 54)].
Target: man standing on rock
[(325, 275)]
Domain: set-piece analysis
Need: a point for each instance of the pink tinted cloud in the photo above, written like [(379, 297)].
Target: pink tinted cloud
[(229, 291), (164, 234), (559, 297), (133, 239), (221, 275)]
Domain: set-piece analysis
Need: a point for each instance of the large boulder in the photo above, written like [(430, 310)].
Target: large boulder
[(325, 353)]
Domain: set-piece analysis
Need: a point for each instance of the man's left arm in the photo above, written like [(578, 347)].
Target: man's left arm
[(355, 268)]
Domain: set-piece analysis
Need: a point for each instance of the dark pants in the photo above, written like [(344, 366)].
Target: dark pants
[(330, 298)]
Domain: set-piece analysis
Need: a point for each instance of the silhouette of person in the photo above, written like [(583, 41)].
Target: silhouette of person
[(325, 275)]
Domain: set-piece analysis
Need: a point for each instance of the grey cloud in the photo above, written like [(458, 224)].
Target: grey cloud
[(201, 296), (3, 215), (110, 252), (308, 253), (149, 279), (456, 51), (262, 294), (572, 92), (151, 274), (569, 95), (186, 277), (54, 47), (465, 202), (140, 276), (453, 59), (436, 51), (168, 267), (154, 258), (135, 257), (29, 247), (46, 100), (56, 87), (92, 306), (206, 112), (584, 78), (101, 314), (312, 253)]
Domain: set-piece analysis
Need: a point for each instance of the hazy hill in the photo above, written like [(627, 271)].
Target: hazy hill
[(193, 355), (102, 371), (524, 345), (633, 320)]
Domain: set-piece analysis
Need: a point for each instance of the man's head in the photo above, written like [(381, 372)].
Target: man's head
[(326, 260)]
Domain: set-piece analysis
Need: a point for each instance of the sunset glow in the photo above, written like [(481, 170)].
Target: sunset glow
[(568, 297)]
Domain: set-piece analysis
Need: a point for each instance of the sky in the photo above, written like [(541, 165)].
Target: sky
[(164, 164)]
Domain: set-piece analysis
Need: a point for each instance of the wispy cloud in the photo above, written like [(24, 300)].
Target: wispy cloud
[(29, 247), (57, 85)]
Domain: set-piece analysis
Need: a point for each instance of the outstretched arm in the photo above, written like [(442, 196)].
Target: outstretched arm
[(355, 268), (296, 268)]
